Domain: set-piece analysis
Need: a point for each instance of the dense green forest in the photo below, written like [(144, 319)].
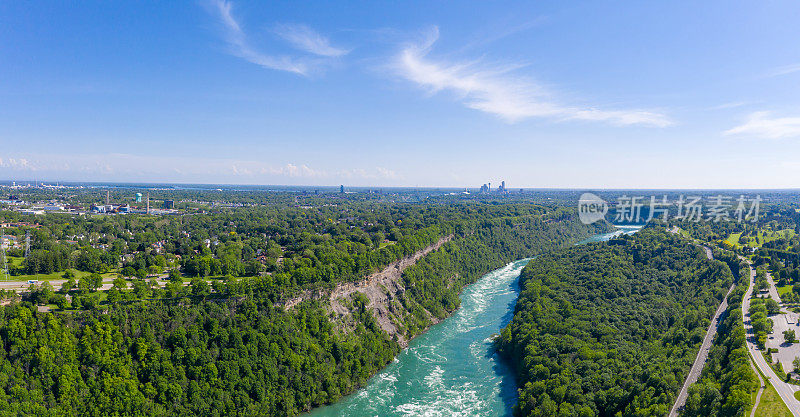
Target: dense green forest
[(727, 381), (612, 328), (229, 348)]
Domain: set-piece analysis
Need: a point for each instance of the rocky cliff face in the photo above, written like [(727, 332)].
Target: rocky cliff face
[(382, 290)]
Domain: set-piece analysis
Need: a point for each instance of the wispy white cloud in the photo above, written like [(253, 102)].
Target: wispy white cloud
[(784, 70), (497, 91), (306, 39), (16, 163), (291, 170), (729, 105), (239, 45), (379, 173), (763, 125)]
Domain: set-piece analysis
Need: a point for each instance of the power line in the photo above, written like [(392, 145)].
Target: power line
[(27, 243), (5, 259)]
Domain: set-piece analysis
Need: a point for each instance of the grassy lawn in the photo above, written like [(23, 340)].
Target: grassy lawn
[(733, 239), (763, 236), (783, 289), (771, 404), (56, 275), (15, 261)]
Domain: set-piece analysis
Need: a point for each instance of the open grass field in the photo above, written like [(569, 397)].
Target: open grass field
[(733, 239), (16, 261), (57, 275), (771, 404), (763, 236), (783, 289)]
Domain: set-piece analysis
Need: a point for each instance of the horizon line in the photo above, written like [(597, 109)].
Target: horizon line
[(417, 187)]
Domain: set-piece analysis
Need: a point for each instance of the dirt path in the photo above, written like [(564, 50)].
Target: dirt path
[(761, 388)]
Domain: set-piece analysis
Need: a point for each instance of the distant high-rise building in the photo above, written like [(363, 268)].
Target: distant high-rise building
[(341, 189), (490, 187), (502, 188)]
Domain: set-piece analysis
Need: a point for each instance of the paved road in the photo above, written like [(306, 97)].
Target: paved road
[(22, 286), (785, 390), (702, 354), (773, 290)]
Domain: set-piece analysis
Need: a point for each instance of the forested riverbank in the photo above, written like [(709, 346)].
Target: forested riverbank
[(613, 327), (235, 350), (728, 380)]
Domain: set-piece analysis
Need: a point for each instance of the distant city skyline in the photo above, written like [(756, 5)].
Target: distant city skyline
[(542, 95)]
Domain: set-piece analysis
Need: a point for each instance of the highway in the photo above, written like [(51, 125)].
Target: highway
[(785, 390)]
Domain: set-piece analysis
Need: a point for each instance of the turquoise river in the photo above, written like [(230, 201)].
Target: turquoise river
[(452, 369)]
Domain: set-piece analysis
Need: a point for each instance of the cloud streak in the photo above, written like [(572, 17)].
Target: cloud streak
[(299, 36), (305, 39), (784, 70), (496, 91), (763, 125)]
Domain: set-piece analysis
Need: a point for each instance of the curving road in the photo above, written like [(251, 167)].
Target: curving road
[(785, 390), (705, 348)]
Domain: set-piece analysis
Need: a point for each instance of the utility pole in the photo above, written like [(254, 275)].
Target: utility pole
[(27, 243), (5, 260)]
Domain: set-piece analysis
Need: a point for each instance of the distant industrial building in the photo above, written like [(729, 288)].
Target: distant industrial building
[(169, 204)]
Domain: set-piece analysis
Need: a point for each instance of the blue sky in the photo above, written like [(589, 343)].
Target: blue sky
[(577, 94)]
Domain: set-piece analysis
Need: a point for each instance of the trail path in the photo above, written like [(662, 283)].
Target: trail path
[(761, 388)]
